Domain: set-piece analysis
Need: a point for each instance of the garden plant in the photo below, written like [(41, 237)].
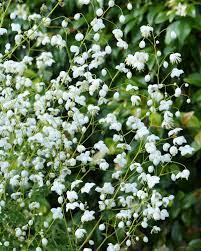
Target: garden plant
[(100, 125)]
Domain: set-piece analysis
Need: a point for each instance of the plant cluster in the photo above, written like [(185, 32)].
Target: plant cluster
[(84, 148)]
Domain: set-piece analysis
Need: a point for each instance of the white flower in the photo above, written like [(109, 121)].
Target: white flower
[(101, 227), (173, 150), (135, 100), (57, 40), (87, 187), (177, 92), (142, 44), (111, 3), (146, 31), (57, 213), (58, 187), (155, 229), (147, 78), (106, 189), (173, 35), (120, 159), (186, 150), (165, 105), (174, 131), (87, 216), (100, 145), (176, 73), (97, 24), (16, 27), (165, 64), (86, 2), (117, 33), (175, 58), (64, 23), (185, 174), (79, 37), (122, 19), (80, 232), (45, 59), (104, 165), (181, 9), (137, 60), (44, 241), (3, 31), (179, 140), (129, 6), (77, 16), (152, 180), (99, 12), (112, 247), (72, 196), (122, 44)]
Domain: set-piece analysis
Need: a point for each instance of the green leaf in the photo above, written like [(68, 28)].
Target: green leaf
[(130, 25), (196, 144), (182, 28), (194, 79), (189, 120), (196, 98), (161, 17), (194, 244), (176, 233), (189, 200), (30, 74), (153, 11)]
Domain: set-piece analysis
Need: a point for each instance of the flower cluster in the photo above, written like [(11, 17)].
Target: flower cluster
[(84, 147)]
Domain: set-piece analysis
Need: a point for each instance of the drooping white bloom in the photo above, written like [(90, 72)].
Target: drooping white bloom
[(117, 33), (177, 92), (179, 140), (137, 60), (122, 44), (112, 247), (106, 189), (79, 37), (181, 9), (173, 35), (135, 100), (58, 187), (147, 78), (87, 187), (142, 44), (122, 19), (176, 73), (3, 31), (120, 159), (165, 105), (99, 12), (101, 147), (175, 58), (146, 30), (80, 232), (57, 213), (71, 196), (87, 216), (186, 150), (16, 27), (129, 6), (97, 24), (57, 40)]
